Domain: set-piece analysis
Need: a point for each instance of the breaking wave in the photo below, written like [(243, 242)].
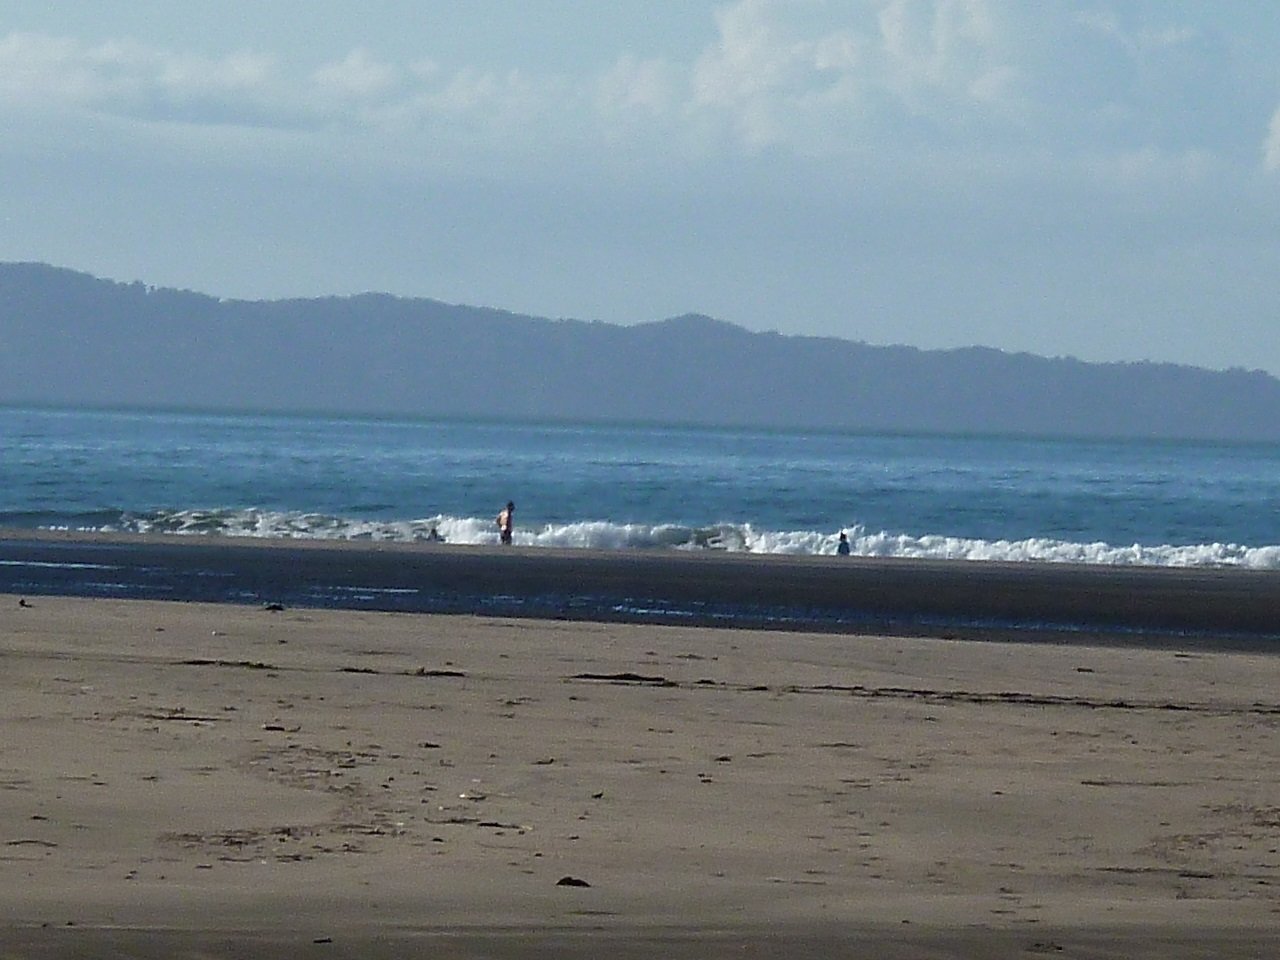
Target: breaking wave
[(744, 538)]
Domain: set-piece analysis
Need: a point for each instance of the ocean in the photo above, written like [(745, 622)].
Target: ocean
[(643, 487)]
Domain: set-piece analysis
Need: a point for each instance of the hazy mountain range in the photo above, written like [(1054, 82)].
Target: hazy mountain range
[(67, 338)]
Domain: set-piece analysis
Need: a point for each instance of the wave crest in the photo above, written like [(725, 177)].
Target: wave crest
[(730, 537)]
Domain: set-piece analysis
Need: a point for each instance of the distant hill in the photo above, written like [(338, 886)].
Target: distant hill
[(67, 338)]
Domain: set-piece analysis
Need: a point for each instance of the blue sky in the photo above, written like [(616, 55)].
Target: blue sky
[(1096, 179)]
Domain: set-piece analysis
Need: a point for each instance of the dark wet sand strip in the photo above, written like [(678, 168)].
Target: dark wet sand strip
[(960, 598)]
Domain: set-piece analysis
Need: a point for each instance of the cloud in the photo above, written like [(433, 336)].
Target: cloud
[(35, 68), (358, 76), (57, 69), (856, 79), (884, 84), (634, 89), (772, 84), (950, 50), (1271, 146), (122, 78)]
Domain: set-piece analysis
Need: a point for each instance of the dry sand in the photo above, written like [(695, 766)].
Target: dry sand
[(219, 781)]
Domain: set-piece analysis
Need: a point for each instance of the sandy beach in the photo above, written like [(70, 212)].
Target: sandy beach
[(182, 779)]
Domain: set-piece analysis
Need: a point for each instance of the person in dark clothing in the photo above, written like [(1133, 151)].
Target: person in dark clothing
[(506, 520)]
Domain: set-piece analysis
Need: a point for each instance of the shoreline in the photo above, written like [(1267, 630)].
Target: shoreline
[(215, 780), (998, 600)]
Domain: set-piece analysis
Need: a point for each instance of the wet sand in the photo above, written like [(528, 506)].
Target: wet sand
[(852, 594), (183, 780)]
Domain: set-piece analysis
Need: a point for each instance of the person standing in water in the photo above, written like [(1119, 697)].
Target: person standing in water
[(506, 520), (842, 547)]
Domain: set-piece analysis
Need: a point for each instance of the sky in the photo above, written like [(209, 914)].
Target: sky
[(1097, 179)]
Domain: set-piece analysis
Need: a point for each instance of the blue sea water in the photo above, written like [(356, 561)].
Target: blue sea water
[(643, 487)]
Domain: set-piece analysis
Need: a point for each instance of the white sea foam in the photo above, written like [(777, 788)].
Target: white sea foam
[(1062, 551), (745, 538)]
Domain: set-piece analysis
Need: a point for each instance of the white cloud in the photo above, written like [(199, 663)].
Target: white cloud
[(987, 83), (636, 89), (748, 61), (843, 79), (477, 99), (1271, 146), (38, 67), (129, 79), (240, 72), (35, 69), (774, 84), (948, 48), (358, 76)]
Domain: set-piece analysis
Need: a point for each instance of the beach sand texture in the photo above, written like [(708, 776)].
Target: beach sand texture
[(213, 780)]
